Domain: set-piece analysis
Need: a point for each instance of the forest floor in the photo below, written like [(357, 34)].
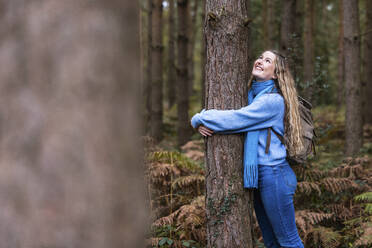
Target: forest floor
[(332, 206)]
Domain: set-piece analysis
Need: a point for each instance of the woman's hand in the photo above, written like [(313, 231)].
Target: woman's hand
[(205, 131)]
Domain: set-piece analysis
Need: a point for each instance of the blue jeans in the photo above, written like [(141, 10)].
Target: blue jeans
[(273, 204)]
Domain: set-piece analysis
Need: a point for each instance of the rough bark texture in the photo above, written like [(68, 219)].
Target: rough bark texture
[(353, 118), (308, 61), (341, 60), (171, 83), (229, 205), (157, 71), (69, 125), (183, 124), (367, 89)]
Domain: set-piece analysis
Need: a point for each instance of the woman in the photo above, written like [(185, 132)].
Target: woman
[(272, 103)]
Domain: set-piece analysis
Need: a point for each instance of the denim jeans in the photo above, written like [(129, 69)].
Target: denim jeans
[(273, 204)]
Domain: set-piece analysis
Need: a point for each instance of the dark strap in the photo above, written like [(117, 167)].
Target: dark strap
[(268, 140), (278, 135)]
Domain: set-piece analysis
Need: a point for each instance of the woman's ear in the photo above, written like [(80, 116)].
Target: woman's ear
[(275, 76)]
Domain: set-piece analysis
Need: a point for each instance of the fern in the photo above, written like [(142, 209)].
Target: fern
[(323, 237), (365, 197)]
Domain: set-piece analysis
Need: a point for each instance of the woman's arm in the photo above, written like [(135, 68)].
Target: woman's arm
[(262, 113)]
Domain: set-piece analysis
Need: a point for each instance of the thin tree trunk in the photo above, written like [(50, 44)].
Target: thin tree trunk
[(171, 83), (308, 61), (157, 72), (192, 35), (287, 30), (147, 88), (183, 124), (203, 58), (229, 205), (341, 60), (268, 23), (353, 117), (367, 89)]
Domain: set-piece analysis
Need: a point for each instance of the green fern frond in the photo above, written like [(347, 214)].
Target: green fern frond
[(365, 197)]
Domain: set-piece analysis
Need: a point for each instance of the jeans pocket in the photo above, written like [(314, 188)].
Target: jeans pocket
[(289, 176)]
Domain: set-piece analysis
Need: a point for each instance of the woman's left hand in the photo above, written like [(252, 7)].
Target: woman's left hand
[(205, 131)]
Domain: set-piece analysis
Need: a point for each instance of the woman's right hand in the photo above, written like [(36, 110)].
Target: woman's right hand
[(205, 131)]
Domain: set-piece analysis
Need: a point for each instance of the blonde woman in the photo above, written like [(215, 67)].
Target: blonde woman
[(272, 105)]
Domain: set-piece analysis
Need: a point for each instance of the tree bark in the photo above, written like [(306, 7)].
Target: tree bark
[(171, 83), (203, 57), (69, 135), (228, 204), (287, 30), (308, 61), (147, 87), (341, 60), (268, 23), (367, 89), (353, 115), (192, 35), (183, 124), (157, 72)]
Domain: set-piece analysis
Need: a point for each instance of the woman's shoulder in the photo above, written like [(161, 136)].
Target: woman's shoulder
[(274, 98)]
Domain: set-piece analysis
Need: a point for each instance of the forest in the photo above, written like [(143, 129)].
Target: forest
[(198, 54), (96, 145)]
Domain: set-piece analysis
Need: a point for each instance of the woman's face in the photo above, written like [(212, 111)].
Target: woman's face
[(264, 67)]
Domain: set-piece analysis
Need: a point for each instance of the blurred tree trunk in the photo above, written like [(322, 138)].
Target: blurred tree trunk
[(183, 124), (70, 125), (367, 89), (308, 61), (147, 87), (268, 23), (341, 60), (192, 35), (287, 31), (157, 72), (227, 74), (171, 83), (353, 117), (203, 55)]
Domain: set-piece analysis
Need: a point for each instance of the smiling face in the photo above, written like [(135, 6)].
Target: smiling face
[(264, 67)]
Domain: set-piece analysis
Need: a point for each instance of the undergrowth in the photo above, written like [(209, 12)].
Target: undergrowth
[(333, 200)]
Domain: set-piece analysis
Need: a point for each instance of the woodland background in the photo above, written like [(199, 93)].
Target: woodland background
[(328, 44)]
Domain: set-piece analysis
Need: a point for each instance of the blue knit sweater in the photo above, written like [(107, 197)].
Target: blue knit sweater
[(267, 111)]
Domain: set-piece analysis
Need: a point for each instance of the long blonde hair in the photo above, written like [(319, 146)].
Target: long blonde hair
[(292, 121)]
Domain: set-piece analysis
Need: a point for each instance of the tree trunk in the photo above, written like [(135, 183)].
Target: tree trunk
[(287, 31), (69, 142), (203, 57), (367, 89), (353, 117), (228, 204), (157, 72), (308, 61), (183, 124), (341, 60), (147, 87), (171, 83), (268, 23), (192, 35)]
